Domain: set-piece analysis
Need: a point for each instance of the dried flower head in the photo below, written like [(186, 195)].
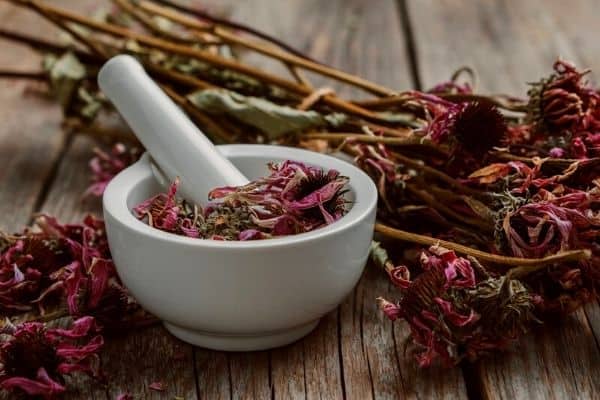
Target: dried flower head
[(58, 265), (455, 312), (557, 103), (474, 126), (34, 358)]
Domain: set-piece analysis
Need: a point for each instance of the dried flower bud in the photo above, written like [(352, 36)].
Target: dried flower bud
[(563, 101)]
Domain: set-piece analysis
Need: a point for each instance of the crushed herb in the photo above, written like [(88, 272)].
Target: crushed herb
[(294, 198)]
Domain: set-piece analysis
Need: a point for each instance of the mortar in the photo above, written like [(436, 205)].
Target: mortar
[(240, 295)]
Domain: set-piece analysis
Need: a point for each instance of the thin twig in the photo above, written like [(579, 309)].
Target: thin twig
[(363, 138), (421, 166), (89, 44), (269, 51), (234, 25), (42, 44), (33, 75), (402, 98), (572, 255), (149, 23), (202, 55), (428, 199)]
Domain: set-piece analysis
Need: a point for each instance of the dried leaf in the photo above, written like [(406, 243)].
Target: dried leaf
[(490, 173), (65, 73), (272, 119), (480, 208), (378, 254)]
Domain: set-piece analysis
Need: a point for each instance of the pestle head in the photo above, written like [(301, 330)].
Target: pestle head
[(175, 143)]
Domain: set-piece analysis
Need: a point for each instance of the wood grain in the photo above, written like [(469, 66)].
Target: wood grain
[(30, 143), (509, 44), (354, 353)]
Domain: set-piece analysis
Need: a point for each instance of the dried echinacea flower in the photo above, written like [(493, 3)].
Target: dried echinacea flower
[(294, 198), (56, 266), (475, 127), (557, 103), (34, 358), (455, 310)]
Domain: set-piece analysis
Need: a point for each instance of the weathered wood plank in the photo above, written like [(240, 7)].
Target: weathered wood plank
[(250, 375), (30, 143), (212, 369), (510, 43), (135, 360)]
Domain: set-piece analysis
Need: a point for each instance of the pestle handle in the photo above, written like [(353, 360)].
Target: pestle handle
[(176, 145)]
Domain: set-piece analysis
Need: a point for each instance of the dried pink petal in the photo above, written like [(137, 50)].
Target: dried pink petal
[(159, 386), (42, 385), (391, 310), (453, 316)]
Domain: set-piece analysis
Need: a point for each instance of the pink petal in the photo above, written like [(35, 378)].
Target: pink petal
[(453, 316), (158, 386), (43, 385), (79, 328)]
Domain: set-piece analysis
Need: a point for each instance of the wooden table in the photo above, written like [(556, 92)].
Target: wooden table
[(355, 352)]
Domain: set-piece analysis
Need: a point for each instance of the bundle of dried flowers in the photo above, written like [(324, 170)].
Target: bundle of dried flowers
[(294, 198), (62, 267), (511, 182)]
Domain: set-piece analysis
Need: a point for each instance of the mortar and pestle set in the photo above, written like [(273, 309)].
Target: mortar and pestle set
[(223, 295)]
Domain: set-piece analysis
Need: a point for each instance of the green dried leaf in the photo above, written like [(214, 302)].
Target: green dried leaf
[(66, 73), (480, 209), (407, 119), (92, 103), (378, 254), (272, 119)]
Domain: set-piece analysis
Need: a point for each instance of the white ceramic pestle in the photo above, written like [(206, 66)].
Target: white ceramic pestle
[(174, 142)]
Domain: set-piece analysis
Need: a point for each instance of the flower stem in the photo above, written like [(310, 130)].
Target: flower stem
[(205, 56), (234, 25), (363, 138), (572, 255), (421, 166), (268, 50), (33, 75)]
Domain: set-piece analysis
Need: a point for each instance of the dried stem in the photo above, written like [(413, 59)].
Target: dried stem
[(149, 23), (421, 166), (299, 76), (33, 75), (92, 46), (234, 25), (432, 202), (199, 54), (41, 44), (573, 255), (269, 51), (364, 138), (402, 98)]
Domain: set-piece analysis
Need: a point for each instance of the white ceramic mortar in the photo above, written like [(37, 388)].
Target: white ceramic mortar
[(238, 295)]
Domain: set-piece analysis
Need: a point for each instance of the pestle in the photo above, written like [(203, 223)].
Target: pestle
[(177, 147)]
